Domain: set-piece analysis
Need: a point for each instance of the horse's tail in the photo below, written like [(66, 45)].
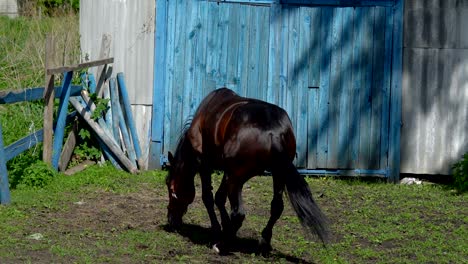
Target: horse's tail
[(300, 196)]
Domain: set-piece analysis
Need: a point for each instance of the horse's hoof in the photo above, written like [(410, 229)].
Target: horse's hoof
[(216, 249), (264, 248)]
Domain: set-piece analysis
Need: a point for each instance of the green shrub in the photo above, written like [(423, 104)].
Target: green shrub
[(460, 174), (37, 175)]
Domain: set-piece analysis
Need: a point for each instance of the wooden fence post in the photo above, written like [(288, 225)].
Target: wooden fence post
[(4, 186), (48, 101)]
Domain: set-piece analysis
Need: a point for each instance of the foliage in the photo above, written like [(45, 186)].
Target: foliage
[(460, 174), (37, 175), (17, 166), (48, 7)]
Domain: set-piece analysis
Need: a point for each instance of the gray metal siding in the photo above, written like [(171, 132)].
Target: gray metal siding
[(131, 27), (435, 86)]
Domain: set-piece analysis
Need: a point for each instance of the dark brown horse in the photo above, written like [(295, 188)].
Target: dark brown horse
[(242, 137)]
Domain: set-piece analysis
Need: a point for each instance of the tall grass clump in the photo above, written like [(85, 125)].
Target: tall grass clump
[(22, 60)]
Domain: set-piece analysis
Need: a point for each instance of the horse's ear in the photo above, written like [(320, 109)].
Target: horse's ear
[(170, 157)]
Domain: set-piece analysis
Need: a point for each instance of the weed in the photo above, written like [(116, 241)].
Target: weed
[(460, 174), (37, 175)]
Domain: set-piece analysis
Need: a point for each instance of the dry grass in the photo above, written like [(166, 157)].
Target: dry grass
[(22, 48)]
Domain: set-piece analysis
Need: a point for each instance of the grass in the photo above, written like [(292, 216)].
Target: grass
[(104, 215)]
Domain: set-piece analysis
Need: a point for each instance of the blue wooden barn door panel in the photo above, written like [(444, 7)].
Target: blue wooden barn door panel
[(329, 68), (208, 46)]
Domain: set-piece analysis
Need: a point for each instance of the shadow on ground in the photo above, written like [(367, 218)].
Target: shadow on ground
[(202, 236)]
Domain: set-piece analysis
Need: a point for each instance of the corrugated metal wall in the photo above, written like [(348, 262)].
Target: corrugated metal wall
[(9, 8), (329, 67), (435, 86), (131, 27)]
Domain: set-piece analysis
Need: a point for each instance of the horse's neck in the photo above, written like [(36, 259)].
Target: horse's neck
[(186, 155)]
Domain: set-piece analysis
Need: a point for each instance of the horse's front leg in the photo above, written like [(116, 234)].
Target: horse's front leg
[(220, 200), (207, 197)]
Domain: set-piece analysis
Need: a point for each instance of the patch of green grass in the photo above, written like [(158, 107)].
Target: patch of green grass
[(122, 218)]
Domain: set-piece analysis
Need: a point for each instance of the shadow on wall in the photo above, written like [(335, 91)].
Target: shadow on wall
[(435, 86)]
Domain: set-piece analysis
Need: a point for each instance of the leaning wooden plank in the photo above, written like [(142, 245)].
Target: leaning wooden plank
[(126, 137), (49, 92), (129, 119), (4, 186), (32, 94), (68, 148), (87, 103), (61, 118), (79, 167), (80, 66), (114, 95), (103, 136)]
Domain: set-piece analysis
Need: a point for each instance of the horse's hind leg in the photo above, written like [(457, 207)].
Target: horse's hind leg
[(220, 200), (237, 208), (276, 210), (207, 197)]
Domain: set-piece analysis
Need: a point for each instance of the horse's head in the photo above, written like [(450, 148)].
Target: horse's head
[(181, 190)]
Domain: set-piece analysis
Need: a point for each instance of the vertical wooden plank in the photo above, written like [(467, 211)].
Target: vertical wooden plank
[(212, 61), (283, 58), (244, 48), (273, 85), (201, 53), (254, 54), (365, 93), (223, 44), (292, 80), (325, 29), (314, 83), (191, 34), (157, 123), (315, 50), (4, 185), (335, 89), (178, 81), (346, 86), (232, 80), (386, 88), (395, 100), (302, 89), (61, 118), (357, 83), (48, 101), (377, 86), (169, 80), (263, 52)]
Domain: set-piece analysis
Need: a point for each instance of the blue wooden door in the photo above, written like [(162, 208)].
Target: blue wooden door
[(328, 66)]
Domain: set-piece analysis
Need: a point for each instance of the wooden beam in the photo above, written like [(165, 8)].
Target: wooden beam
[(49, 96), (89, 64), (33, 94)]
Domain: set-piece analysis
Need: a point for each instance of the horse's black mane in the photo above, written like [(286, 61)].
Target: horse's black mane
[(180, 141)]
